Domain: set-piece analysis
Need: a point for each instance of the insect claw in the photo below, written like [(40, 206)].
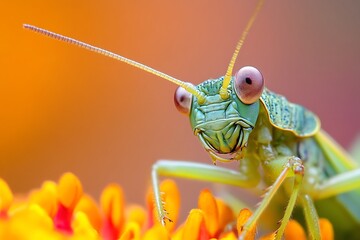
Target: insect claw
[(163, 222), (164, 219)]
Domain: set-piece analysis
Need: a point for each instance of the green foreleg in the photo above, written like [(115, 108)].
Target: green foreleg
[(293, 167), (198, 171), (290, 207), (311, 217)]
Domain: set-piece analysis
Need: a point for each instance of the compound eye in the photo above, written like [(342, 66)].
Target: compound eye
[(248, 84), (183, 99)]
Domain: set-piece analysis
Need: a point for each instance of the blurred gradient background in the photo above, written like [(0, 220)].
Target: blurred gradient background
[(67, 109)]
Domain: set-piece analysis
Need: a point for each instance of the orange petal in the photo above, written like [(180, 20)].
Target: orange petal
[(207, 204), (294, 231), (150, 205), (112, 204), (88, 206), (194, 228), (270, 236), (171, 202), (326, 229), (6, 198), (226, 214), (46, 198), (131, 232), (158, 232), (171, 199), (243, 216), (69, 190)]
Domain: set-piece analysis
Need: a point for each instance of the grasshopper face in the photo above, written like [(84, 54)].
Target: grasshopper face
[(223, 125)]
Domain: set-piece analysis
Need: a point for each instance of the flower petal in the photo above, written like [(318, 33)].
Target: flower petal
[(207, 204), (294, 231), (270, 236), (46, 198), (171, 202), (194, 228), (88, 206), (69, 190), (131, 231), (112, 203), (226, 214), (31, 222), (82, 227), (158, 232), (326, 229), (229, 236), (136, 213), (6, 198), (243, 216)]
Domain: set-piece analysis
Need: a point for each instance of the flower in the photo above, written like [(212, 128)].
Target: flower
[(63, 211)]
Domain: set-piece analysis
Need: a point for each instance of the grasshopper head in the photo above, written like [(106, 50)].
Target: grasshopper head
[(223, 125)]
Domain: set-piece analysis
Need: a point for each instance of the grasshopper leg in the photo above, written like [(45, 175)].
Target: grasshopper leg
[(311, 216), (198, 171), (341, 183), (292, 168)]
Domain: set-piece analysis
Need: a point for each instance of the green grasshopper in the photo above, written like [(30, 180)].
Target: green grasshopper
[(237, 119)]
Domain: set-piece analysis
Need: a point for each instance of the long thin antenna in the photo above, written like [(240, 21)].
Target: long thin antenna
[(187, 86), (223, 90)]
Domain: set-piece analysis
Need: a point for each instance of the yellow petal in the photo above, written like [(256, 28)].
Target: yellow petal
[(82, 228), (88, 206), (294, 231), (158, 232), (6, 197), (243, 216), (326, 229), (112, 203), (178, 233), (40, 216), (229, 236), (69, 190), (46, 198), (207, 204), (194, 227), (131, 231), (30, 223), (136, 213)]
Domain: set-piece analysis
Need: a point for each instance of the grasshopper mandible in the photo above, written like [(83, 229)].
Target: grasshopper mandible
[(237, 119)]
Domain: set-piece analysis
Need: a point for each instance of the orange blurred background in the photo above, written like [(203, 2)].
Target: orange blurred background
[(67, 109)]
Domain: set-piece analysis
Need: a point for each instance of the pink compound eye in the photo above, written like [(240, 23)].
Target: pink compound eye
[(248, 84), (183, 99)]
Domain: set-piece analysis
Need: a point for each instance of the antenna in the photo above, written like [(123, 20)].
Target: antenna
[(223, 90), (187, 86)]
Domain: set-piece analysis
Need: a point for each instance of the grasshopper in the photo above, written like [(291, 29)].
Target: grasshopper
[(236, 118)]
